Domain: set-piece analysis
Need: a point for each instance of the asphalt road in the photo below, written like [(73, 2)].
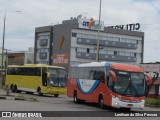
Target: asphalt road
[(62, 103)]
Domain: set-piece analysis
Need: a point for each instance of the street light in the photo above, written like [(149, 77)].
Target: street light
[(97, 54), (3, 48), (4, 26)]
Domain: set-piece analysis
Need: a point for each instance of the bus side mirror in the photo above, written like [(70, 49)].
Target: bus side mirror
[(155, 76), (149, 79), (48, 75), (113, 75)]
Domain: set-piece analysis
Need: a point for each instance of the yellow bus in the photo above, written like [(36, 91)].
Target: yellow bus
[(40, 78)]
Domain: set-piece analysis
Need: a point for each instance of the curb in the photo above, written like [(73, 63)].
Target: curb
[(156, 106), (11, 98), (1, 97)]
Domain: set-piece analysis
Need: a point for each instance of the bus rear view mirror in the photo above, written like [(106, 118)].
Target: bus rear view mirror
[(48, 75), (149, 79), (113, 75)]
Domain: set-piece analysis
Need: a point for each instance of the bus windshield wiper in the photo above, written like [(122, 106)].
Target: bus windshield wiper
[(135, 91), (130, 83)]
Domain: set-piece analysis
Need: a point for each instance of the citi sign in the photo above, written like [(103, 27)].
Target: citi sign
[(90, 24)]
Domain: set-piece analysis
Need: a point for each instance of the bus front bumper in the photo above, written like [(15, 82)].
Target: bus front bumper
[(119, 103)]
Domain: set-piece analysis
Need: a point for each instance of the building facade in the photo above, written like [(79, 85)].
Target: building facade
[(43, 44), (20, 57), (150, 68), (75, 41)]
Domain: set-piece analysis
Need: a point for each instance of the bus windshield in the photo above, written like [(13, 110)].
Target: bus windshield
[(129, 83), (58, 77)]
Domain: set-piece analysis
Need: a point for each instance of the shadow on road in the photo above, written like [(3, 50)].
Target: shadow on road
[(107, 108)]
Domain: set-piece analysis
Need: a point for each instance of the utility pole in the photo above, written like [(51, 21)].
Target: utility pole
[(4, 26), (97, 54)]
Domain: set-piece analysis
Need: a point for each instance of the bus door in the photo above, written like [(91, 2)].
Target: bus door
[(110, 76), (44, 76)]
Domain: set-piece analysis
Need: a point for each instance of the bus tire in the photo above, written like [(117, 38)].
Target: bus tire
[(56, 95), (39, 91), (29, 92), (15, 89), (12, 88), (75, 98), (101, 102)]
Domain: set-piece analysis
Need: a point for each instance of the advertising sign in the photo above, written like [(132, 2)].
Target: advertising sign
[(132, 27), (60, 58), (90, 24)]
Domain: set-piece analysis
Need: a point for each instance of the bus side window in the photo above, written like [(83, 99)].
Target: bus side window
[(95, 75), (12, 71), (110, 82), (32, 71), (38, 71), (101, 76)]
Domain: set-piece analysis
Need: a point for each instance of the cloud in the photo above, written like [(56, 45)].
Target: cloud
[(20, 27)]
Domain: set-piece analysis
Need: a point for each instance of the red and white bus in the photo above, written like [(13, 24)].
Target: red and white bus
[(108, 84)]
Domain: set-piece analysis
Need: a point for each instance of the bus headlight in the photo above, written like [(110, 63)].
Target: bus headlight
[(51, 82), (116, 103)]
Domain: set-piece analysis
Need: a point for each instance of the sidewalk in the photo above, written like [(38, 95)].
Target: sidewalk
[(11, 96)]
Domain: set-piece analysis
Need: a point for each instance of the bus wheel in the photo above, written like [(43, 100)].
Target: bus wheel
[(15, 89), (12, 88), (101, 102), (75, 98), (56, 95), (29, 92), (39, 91)]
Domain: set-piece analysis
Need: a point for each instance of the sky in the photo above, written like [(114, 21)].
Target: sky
[(20, 26)]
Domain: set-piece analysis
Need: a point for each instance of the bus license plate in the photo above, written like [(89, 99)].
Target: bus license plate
[(129, 105)]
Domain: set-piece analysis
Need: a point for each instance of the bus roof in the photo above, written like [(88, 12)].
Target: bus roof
[(119, 66), (36, 65), (94, 64)]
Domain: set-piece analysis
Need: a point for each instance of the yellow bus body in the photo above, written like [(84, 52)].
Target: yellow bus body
[(31, 83)]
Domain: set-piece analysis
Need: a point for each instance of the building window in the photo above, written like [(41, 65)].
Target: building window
[(115, 39), (42, 55), (84, 50), (103, 51), (92, 51), (74, 34), (115, 52), (43, 42), (40, 37), (79, 50), (85, 36), (134, 41), (91, 36), (110, 52), (87, 50), (126, 40), (80, 35), (104, 37), (139, 41)]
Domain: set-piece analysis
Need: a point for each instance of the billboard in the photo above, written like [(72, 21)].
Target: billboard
[(60, 58), (90, 24)]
